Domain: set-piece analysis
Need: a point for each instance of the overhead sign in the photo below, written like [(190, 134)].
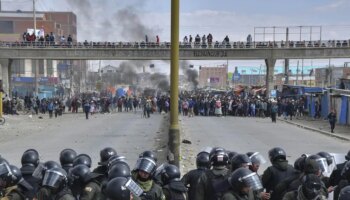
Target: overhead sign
[(236, 76)]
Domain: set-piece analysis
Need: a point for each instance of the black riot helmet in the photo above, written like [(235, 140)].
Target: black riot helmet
[(170, 173), (148, 154), (231, 154), (16, 176), (147, 165), (67, 157), (55, 178), (344, 193), (82, 159), (311, 186), (243, 177), (329, 158), (79, 173), (218, 157), (202, 160), (240, 160), (116, 190), (277, 153), (39, 171), (105, 154), (322, 162), (10, 174), (299, 163), (120, 169), (30, 158), (115, 159)]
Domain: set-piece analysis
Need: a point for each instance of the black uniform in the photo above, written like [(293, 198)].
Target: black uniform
[(279, 171), (175, 190), (27, 172), (191, 180)]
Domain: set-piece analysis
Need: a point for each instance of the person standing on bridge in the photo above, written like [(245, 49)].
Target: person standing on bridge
[(157, 38)]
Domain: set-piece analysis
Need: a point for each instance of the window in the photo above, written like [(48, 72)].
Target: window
[(49, 68)]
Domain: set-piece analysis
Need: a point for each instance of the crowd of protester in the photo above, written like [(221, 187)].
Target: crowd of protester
[(48, 39)]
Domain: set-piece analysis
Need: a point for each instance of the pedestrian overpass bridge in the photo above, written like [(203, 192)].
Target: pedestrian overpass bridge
[(268, 51)]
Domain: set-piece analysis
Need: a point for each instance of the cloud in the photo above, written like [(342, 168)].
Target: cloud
[(336, 4)]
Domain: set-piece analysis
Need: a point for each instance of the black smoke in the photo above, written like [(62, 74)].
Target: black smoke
[(160, 82), (190, 74)]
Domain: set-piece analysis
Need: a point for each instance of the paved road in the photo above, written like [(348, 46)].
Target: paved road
[(253, 134), (128, 133)]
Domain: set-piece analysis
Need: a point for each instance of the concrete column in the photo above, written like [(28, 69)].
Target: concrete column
[(270, 69), (28, 68), (45, 68), (286, 71), (5, 75)]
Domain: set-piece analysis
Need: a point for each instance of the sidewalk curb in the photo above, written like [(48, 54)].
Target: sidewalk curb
[(316, 130)]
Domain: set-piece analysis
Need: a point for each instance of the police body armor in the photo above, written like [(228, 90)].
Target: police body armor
[(217, 185), (192, 180), (27, 172), (176, 192), (277, 177)]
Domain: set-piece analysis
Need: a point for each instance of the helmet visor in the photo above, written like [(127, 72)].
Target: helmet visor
[(257, 158), (39, 171), (5, 170), (53, 178), (253, 181), (322, 163), (114, 160), (146, 164), (159, 169), (134, 187)]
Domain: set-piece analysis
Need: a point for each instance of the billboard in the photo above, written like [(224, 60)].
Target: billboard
[(214, 80)]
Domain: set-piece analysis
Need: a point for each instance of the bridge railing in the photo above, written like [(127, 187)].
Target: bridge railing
[(183, 45)]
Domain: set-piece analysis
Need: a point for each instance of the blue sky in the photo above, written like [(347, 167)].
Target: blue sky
[(98, 21)]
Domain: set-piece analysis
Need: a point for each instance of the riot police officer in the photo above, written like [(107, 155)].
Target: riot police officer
[(30, 160), (173, 188), (142, 175), (67, 157), (279, 171), (15, 187), (243, 182), (191, 178), (84, 184), (311, 189), (55, 186), (105, 154), (335, 177), (240, 160), (209, 183)]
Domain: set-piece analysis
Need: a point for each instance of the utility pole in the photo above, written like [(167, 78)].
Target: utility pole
[(174, 130), (34, 17)]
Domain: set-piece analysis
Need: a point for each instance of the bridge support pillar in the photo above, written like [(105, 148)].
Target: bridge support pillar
[(5, 75), (286, 71), (270, 69)]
